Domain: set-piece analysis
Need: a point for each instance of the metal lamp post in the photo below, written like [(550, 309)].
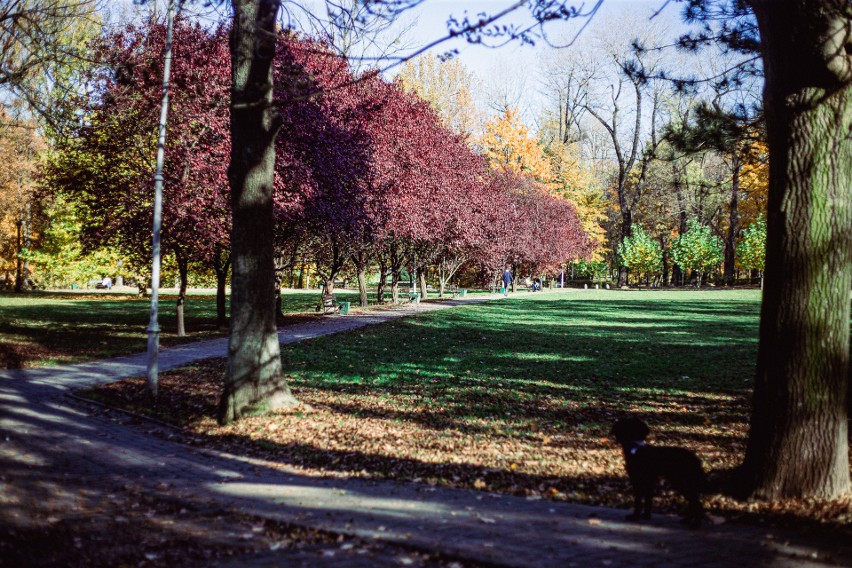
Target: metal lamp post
[(154, 325)]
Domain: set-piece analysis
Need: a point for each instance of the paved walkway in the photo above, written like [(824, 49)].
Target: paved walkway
[(44, 433)]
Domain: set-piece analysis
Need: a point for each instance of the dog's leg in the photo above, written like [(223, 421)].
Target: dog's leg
[(637, 506), (694, 510), (648, 497)]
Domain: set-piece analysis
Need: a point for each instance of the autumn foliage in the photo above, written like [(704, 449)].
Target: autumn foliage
[(364, 169)]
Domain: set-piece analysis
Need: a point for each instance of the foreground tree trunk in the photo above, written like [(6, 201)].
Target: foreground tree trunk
[(797, 444), (254, 379)]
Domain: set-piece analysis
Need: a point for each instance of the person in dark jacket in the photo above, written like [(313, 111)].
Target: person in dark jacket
[(507, 279)]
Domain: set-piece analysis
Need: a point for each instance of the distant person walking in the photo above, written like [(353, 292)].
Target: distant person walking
[(507, 279)]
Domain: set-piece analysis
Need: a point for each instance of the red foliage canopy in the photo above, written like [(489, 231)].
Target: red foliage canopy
[(109, 164)]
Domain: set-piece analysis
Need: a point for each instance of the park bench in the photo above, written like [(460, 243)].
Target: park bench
[(329, 304), (408, 297), (456, 291)]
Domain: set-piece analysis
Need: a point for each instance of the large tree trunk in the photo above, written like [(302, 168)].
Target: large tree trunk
[(254, 379), (797, 444)]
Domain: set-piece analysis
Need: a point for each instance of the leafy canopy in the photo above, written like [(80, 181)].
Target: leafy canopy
[(641, 253), (751, 251), (697, 249)]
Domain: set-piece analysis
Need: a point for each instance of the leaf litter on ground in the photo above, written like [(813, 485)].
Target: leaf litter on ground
[(403, 437)]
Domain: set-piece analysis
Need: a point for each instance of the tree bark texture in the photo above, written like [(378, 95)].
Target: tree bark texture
[(254, 381), (362, 288), (798, 444), (395, 286), (361, 260), (421, 276), (664, 247)]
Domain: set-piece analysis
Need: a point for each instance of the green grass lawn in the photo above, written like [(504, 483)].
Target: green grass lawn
[(515, 395), (673, 341), (42, 329)]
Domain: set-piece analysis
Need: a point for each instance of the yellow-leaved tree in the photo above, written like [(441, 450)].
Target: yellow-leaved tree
[(576, 182), (754, 182), (508, 146), (447, 86)]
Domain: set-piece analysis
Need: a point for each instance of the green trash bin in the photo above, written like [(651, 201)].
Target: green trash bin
[(462, 292), (344, 308)]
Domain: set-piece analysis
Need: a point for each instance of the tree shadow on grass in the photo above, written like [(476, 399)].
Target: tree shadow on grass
[(533, 430)]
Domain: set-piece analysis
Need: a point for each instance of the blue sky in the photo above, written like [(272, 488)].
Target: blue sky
[(432, 16)]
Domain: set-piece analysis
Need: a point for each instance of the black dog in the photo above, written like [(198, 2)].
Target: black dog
[(646, 464)]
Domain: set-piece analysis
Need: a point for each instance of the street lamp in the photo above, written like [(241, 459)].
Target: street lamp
[(154, 325)]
